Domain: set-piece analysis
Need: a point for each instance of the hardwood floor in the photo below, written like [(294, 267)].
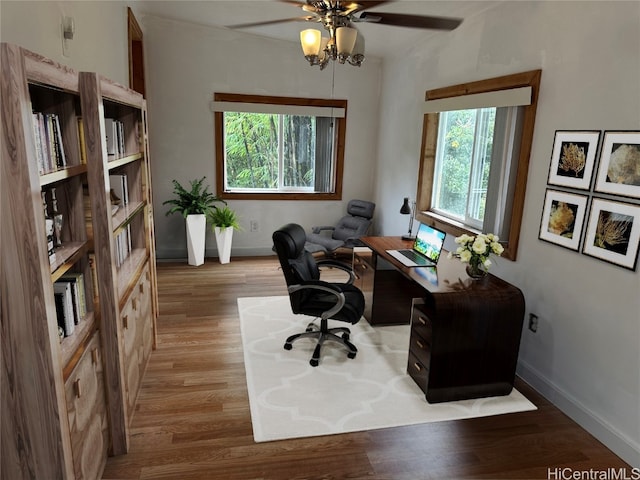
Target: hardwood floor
[(192, 418)]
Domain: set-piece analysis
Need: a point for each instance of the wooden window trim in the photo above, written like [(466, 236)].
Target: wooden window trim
[(428, 153)]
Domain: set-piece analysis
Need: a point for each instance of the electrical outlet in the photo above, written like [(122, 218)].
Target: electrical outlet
[(533, 322), (254, 226)]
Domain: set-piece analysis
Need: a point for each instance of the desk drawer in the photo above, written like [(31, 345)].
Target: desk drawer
[(420, 348), (418, 372), (421, 324)]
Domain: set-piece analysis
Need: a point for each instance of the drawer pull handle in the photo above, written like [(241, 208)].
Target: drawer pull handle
[(146, 275), (125, 321), (420, 344), (142, 288), (417, 366), (76, 388), (422, 320), (94, 356), (134, 304)]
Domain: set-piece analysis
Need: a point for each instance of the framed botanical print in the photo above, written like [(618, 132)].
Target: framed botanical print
[(619, 171), (613, 233), (563, 218), (573, 158)]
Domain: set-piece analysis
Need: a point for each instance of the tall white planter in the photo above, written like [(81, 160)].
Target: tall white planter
[(223, 241), (196, 229)]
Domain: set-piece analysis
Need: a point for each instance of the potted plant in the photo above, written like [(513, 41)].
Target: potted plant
[(194, 205), (224, 221)]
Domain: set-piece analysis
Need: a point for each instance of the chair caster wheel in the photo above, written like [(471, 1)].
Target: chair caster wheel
[(288, 346), (313, 362), (351, 355), (345, 336), (309, 329)]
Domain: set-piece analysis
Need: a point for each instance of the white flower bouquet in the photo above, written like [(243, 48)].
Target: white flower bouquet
[(475, 250)]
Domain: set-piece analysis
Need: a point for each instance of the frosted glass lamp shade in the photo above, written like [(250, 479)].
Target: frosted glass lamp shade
[(346, 40), (310, 39)]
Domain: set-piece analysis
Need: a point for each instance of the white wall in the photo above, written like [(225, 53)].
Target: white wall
[(186, 64), (586, 353), (100, 40)]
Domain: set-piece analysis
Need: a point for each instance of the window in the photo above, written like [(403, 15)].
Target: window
[(463, 160), (279, 147), (475, 156)]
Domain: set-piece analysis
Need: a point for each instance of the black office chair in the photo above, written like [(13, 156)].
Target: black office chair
[(346, 233), (313, 297)]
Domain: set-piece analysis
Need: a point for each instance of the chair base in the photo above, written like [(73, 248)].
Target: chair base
[(323, 334)]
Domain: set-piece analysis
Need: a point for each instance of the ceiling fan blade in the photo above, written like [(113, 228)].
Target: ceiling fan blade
[(412, 21), (273, 22), (367, 4)]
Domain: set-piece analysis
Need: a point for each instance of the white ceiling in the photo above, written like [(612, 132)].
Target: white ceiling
[(381, 40)]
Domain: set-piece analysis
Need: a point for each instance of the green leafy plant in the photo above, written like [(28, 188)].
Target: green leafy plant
[(197, 200), (224, 217)]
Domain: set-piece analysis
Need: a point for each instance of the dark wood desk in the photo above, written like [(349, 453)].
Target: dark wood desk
[(465, 334)]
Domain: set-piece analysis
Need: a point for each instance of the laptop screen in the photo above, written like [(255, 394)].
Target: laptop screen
[(429, 242)]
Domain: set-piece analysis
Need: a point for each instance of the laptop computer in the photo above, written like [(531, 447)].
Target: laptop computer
[(426, 249)]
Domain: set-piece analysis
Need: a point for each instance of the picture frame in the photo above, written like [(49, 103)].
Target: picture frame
[(613, 232), (619, 170), (563, 218), (573, 158)]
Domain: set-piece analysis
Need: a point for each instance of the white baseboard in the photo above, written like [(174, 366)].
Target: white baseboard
[(613, 439)]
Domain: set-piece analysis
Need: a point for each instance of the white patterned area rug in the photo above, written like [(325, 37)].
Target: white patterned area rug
[(289, 398)]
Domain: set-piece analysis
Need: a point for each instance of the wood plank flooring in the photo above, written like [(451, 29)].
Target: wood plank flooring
[(192, 419)]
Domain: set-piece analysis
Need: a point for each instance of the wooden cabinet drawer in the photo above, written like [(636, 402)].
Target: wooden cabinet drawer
[(420, 348), (418, 372), (87, 413), (421, 324)]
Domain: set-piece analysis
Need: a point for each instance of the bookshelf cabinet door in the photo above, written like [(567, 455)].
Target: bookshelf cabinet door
[(87, 413)]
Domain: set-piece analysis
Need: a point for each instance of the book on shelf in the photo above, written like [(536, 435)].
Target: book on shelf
[(82, 142), (64, 306), (118, 184), (78, 292), (114, 131), (50, 151)]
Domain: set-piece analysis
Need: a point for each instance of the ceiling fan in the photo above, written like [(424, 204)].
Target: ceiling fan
[(344, 42)]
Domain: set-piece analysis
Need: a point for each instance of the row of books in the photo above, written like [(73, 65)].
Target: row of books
[(71, 303), (115, 137), (123, 246), (48, 139)]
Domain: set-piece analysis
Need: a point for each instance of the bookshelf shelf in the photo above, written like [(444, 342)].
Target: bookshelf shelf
[(64, 343), (66, 256), (125, 214), (119, 162), (62, 174)]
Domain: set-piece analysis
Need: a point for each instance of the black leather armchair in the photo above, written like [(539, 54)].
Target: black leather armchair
[(346, 233), (313, 297)]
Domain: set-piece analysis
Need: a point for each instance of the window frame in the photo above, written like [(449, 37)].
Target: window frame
[(341, 127), (424, 212)]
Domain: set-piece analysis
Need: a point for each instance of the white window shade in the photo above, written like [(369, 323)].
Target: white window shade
[(500, 98), (300, 110)]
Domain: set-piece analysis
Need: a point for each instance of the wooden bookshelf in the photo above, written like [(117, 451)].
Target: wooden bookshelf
[(70, 391)]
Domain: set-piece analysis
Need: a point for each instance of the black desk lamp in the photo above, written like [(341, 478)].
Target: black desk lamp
[(407, 210)]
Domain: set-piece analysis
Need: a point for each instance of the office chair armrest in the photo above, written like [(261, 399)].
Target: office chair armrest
[(340, 265), (325, 287), (322, 228)]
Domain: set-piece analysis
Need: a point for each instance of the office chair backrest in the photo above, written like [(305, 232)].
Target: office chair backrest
[(356, 222), (297, 264)]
